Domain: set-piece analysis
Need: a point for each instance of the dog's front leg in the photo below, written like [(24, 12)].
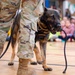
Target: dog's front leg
[(43, 53), (37, 54)]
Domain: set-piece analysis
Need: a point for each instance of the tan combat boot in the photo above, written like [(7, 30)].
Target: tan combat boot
[(23, 68)]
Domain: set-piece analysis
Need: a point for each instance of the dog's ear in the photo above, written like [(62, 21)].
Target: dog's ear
[(45, 9)]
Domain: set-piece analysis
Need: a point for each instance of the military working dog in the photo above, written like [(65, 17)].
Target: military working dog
[(48, 22)]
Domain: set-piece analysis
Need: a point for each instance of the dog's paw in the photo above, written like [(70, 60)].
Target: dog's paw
[(47, 68), (33, 63), (10, 63)]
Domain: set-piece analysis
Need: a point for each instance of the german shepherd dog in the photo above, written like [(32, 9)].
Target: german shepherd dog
[(48, 22)]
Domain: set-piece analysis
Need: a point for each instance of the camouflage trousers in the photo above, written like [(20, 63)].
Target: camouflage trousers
[(3, 36), (26, 42)]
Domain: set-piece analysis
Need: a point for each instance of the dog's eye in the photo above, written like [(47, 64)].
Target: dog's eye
[(49, 19), (52, 15)]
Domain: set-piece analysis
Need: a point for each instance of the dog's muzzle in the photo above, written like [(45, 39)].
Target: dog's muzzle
[(58, 28)]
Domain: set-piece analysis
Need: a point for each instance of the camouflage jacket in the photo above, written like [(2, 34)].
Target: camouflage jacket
[(30, 12), (8, 9)]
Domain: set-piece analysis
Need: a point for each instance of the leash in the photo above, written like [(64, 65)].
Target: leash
[(65, 52), (17, 18)]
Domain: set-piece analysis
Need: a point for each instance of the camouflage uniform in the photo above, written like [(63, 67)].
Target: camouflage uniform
[(28, 25), (7, 12), (2, 40)]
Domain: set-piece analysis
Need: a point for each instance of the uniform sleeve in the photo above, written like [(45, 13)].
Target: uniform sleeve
[(39, 9)]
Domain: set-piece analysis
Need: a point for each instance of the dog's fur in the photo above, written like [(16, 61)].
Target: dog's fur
[(48, 22)]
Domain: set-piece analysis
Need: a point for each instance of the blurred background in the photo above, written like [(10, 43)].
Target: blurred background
[(62, 5)]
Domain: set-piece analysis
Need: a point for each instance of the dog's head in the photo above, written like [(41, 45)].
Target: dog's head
[(51, 18)]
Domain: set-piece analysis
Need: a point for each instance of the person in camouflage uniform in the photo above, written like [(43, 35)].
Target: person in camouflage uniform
[(30, 11)]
